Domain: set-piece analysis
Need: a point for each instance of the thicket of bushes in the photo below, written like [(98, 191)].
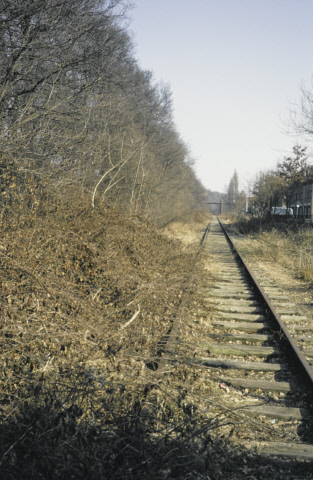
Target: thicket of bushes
[(86, 296), (88, 153)]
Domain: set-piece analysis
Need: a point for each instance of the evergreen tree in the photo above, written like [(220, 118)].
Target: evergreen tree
[(233, 189)]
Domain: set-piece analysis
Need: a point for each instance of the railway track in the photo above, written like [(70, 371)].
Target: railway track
[(255, 381), (253, 345)]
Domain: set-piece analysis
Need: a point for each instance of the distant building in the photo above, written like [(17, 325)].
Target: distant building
[(302, 201)]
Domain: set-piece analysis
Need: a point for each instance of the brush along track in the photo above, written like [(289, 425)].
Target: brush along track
[(235, 363), (251, 353)]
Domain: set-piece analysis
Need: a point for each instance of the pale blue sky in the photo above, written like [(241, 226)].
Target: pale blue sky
[(234, 67)]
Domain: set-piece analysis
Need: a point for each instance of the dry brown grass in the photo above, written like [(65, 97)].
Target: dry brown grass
[(287, 245), (189, 232), (87, 297)]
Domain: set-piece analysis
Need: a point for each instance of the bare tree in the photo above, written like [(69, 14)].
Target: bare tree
[(77, 109), (267, 190)]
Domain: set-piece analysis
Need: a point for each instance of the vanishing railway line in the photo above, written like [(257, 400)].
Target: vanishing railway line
[(252, 338), (254, 319)]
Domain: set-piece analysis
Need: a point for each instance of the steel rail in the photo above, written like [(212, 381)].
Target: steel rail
[(292, 348), (205, 235)]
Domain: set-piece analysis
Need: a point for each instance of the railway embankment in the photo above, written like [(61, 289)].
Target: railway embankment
[(86, 296)]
